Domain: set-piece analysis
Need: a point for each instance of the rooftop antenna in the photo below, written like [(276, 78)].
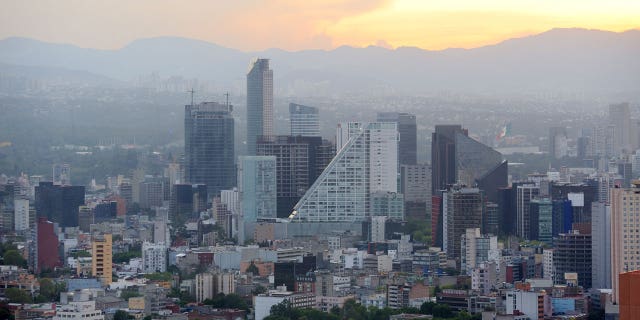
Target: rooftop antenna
[(227, 95), (192, 92)]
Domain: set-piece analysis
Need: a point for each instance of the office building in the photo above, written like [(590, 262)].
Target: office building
[(625, 255), (59, 203), (458, 159), (387, 204), (407, 130), (366, 163), (581, 196), (257, 187), (101, 258), (601, 245), (304, 120), (46, 254), (154, 257), (297, 166), (259, 103), (415, 185), (572, 254), (187, 201), (541, 220), (524, 194), (209, 146), (286, 272), (462, 210)]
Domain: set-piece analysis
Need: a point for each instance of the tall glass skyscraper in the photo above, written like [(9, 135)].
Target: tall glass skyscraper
[(259, 103), (209, 146), (408, 145), (304, 120)]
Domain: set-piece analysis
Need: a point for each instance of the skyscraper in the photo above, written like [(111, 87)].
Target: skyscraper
[(572, 253), (620, 118), (601, 245), (458, 159), (366, 163), (59, 203), (415, 185), (46, 255), (407, 129), (299, 162), (524, 195), (259, 103), (462, 210), (209, 146), (304, 120), (257, 187), (625, 252)]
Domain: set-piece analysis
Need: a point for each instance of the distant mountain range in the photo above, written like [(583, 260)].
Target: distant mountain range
[(579, 60)]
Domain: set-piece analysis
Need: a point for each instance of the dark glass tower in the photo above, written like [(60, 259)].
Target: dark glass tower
[(59, 203), (458, 159), (408, 146), (299, 162), (259, 103), (209, 146)]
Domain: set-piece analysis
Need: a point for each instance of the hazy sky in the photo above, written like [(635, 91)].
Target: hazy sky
[(308, 24)]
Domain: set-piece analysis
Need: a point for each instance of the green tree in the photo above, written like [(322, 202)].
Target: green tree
[(253, 269), (121, 315), (14, 258), (48, 290), (15, 295)]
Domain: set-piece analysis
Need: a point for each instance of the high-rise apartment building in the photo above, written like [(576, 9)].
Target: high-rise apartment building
[(258, 188), (259, 103), (601, 245), (154, 257), (101, 258), (366, 163), (304, 120), (625, 223), (209, 146), (462, 210), (21, 214), (477, 248), (407, 130)]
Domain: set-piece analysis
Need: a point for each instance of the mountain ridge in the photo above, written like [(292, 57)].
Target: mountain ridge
[(562, 58)]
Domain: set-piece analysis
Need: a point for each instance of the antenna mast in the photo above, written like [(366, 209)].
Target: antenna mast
[(227, 95), (192, 92)]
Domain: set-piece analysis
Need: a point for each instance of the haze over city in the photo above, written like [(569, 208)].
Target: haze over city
[(275, 160)]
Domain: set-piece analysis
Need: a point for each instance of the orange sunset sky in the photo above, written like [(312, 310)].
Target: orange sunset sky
[(308, 24)]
